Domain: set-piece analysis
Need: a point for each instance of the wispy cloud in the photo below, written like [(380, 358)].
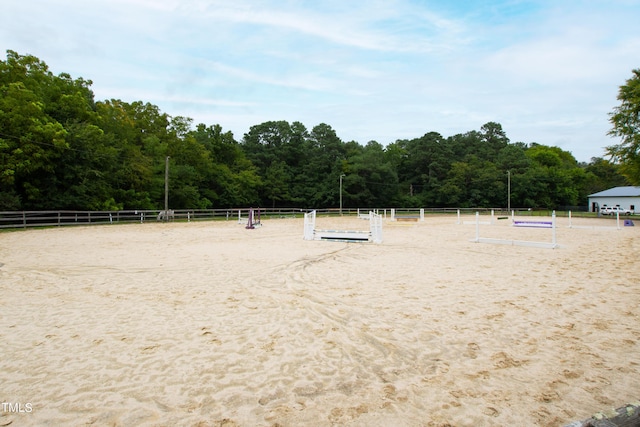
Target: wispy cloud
[(374, 69)]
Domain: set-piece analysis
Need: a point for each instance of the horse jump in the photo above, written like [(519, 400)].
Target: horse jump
[(617, 226), (414, 218), (552, 245), (373, 235), (490, 222)]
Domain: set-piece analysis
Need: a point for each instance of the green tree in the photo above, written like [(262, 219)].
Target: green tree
[(603, 174), (31, 142), (474, 183), (625, 119), (554, 179), (276, 181), (277, 149), (372, 181), (326, 162), (136, 176), (233, 180), (423, 169)]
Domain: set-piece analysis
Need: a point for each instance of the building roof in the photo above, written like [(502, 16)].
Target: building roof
[(618, 192)]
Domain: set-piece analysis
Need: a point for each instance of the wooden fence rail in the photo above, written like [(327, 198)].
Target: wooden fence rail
[(58, 218)]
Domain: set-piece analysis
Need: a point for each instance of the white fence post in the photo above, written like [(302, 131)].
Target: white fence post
[(553, 221)]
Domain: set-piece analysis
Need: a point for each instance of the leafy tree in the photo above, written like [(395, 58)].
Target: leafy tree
[(603, 174), (276, 182), (371, 181), (137, 178), (31, 142), (472, 183), (424, 168), (276, 148), (232, 180), (554, 178), (264, 143), (326, 162), (625, 119), (61, 149)]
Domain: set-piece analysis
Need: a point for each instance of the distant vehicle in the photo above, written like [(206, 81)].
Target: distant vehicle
[(614, 210)]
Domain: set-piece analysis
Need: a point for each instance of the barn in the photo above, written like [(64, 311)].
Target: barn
[(624, 197)]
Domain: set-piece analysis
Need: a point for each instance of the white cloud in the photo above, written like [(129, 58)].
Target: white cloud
[(374, 70)]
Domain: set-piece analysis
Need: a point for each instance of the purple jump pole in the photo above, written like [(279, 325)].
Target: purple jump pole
[(250, 220)]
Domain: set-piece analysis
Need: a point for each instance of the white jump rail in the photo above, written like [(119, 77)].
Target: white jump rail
[(549, 245), (373, 235)]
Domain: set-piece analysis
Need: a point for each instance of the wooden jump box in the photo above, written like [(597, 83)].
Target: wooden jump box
[(625, 416)]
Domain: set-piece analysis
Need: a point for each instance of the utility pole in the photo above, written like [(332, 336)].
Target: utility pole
[(166, 189)]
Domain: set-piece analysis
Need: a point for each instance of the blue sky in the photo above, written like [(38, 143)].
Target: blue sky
[(383, 70)]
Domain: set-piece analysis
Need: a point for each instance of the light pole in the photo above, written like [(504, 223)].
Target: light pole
[(341, 175), (508, 192)]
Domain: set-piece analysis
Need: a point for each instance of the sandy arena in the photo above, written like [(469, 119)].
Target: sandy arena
[(210, 324)]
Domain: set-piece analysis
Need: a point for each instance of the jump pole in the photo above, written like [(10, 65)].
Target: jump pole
[(250, 220)]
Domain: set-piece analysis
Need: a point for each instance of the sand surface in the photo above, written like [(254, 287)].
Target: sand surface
[(209, 324)]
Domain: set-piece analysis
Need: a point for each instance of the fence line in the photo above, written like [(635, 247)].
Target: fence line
[(26, 219), (57, 218)]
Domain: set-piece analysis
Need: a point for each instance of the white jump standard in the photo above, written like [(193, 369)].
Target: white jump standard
[(373, 235)]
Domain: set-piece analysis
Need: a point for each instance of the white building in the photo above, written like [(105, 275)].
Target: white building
[(624, 197)]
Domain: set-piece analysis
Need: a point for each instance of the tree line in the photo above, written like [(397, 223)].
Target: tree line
[(62, 149)]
